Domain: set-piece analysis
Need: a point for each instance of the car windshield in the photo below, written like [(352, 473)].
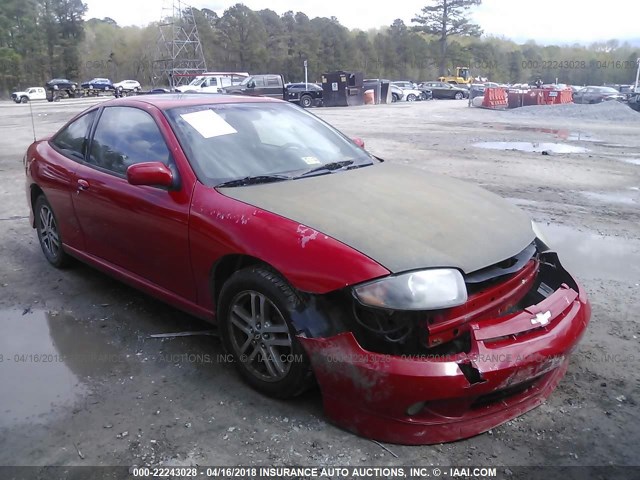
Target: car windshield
[(225, 142), (196, 81)]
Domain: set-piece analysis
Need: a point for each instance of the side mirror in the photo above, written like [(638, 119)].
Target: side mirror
[(358, 141), (251, 84), (153, 174)]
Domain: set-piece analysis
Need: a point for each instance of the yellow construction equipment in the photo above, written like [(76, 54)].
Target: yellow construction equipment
[(462, 76)]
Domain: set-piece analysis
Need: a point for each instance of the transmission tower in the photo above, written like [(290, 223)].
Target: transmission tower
[(180, 56)]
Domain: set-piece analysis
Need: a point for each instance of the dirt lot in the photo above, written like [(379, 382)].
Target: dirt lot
[(114, 396)]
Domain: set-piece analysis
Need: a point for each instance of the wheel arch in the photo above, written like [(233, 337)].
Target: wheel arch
[(34, 192), (226, 266)]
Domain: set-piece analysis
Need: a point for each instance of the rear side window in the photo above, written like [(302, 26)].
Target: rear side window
[(72, 140), (125, 136), (273, 82)]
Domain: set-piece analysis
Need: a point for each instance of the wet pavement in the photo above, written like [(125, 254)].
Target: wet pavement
[(123, 398), (532, 147), (49, 359), (587, 254)]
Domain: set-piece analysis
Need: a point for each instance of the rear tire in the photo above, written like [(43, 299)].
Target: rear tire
[(394, 97), (306, 101), (459, 96), (49, 234), (254, 312)]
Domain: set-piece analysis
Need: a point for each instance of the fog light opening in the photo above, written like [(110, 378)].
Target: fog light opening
[(415, 409)]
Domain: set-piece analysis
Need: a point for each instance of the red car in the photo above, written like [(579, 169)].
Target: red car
[(426, 308)]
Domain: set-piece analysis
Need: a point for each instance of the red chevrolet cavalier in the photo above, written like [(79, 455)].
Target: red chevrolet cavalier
[(427, 309)]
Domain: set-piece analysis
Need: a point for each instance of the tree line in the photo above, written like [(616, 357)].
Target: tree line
[(42, 39)]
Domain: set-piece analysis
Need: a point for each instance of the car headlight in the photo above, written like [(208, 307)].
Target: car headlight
[(420, 290), (539, 234)]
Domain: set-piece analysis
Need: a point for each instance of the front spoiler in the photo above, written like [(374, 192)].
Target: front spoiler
[(515, 366)]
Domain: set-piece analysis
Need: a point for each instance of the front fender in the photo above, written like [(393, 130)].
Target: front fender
[(310, 260)]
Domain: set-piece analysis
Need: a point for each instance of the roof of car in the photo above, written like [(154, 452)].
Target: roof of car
[(165, 101)]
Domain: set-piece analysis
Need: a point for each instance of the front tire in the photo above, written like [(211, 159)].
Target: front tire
[(24, 99), (254, 312), (49, 234), (411, 97)]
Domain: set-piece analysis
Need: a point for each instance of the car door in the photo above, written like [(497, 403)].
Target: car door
[(438, 90), (274, 87), (139, 229), (56, 175)]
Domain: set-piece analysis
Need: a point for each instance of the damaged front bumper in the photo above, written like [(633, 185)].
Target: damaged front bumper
[(513, 363)]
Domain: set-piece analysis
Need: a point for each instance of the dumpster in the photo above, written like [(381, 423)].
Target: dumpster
[(342, 89), (381, 89)]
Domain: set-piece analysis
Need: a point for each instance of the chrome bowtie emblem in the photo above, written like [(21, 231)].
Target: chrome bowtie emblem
[(541, 318)]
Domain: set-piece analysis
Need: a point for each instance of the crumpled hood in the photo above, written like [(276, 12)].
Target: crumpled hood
[(401, 217)]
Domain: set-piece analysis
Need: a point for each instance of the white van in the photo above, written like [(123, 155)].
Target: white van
[(213, 82)]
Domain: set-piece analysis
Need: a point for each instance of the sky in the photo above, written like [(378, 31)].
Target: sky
[(545, 21)]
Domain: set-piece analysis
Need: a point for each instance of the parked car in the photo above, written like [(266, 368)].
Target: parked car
[(256, 215), (597, 95), (59, 87), (96, 85), (213, 82), (396, 93), (404, 84), (30, 94), (424, 93), (634, 101), (446, 90), (61, 84), (406, 94), (269, 85), (128, 86), (304, 94)]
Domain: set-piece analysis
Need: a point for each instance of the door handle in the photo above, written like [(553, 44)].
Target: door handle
[(83, 184)]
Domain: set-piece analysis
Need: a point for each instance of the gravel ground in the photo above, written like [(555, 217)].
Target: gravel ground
[(114, 396)]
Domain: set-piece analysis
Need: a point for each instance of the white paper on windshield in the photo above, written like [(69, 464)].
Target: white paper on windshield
[(311, 160), (208, 123)]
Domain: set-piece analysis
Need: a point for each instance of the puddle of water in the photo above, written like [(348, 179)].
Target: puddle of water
[(612, 197), (532, 147), (46, 358), (560, 133), (580, 137), (589, 255), (523, 202), (632, 161)]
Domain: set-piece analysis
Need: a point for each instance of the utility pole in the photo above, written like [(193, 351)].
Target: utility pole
[(635, 88), (306, 78)]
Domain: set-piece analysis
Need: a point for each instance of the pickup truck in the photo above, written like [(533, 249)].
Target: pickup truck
[(213, 82), (304, 94), (30, 94), (269, 85)]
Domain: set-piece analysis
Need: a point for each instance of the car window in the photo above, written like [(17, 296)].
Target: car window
[(71, 140), (258, 81), (273, 82), (125, 136)]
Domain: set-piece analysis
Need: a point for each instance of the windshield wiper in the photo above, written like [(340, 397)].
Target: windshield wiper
[(254, 180), (329, 167)]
